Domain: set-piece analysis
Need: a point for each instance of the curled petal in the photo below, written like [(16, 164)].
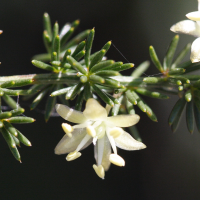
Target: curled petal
[(123, 120), (195, 51), (187, 27), (70, 114), (127, 142), (93, 110), (69, 144)]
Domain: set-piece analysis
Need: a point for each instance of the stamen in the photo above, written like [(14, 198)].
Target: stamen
[(73, 155), (117, 160), (116, 132), (99, 171), (68, 129), (112, 141), (91, 131), (83, 142), (83, 125)]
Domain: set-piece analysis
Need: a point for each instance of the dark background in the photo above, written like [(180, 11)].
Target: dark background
[(168, 169)]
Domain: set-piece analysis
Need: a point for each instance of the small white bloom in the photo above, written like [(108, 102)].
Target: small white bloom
[(95, 126), (190, 27)]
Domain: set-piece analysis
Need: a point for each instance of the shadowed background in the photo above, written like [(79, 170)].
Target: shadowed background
[(170, 166)]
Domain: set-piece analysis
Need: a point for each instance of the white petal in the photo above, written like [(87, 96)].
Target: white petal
[(106, 154), (195, 51), (123, 120), (127, 142), (93, 110), (187, 27), (198, 5), (69, 144), (70, 114), (195, 16)]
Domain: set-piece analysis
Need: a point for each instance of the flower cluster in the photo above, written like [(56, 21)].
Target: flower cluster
[(96, 126), (191, 27)]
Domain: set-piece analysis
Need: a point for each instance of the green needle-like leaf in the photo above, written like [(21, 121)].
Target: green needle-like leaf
[(188, 96), (17, 142), (116, 107), (181, 55), (23, 139), (112, 83), (107, 73), (8, 137), (97, 79), (55, 33), (47, 41), (17, 111), (76, 65), (10, 101), (177, 119), (190, 117), (150, 113), (148, 93), (60, 92), (38, 99), (101, 66), (140, 69), (57, 47), (5, 115), (170, 53), (103, 96), (87, 91), (177, 109), (155, 59), (1, 124), (129, 107), (7, 84), (47, 24), (42, 65), (78, 56), (51, 101), (10, 128), (154, 80), (97, 58), (197, 117), (79, 48), (79, 101), (122, 67), (107, 46), (131, 97), (77, 39), (88, 47), (176, 71), (71, 94), (20, 120), (67, 35)]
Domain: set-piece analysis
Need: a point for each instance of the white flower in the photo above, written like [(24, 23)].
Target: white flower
[(191, 27), (95, 126)]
